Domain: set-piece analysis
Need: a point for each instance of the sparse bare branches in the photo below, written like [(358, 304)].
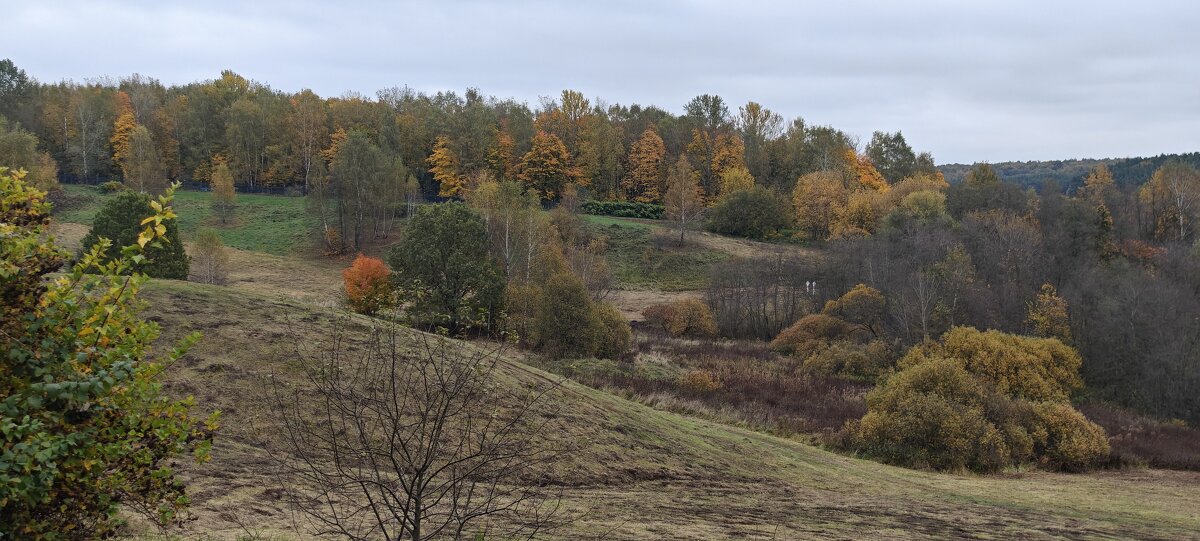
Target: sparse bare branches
[(412, 436)]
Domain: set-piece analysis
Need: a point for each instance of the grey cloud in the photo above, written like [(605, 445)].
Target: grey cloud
[(968, 81)]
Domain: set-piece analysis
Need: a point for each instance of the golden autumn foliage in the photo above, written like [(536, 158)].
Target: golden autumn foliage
[(1170, 200), (643, 182), (810, 334), (683, 201), (729, 152), (501, 156), (861, 173), (223, 194), (862, 306), (688, 317), (1026, 367), (1047, 315), (735, 179), (546, 168), (122, 131), (981, 401), (860, 216), (368, 285), (914, 184), (1098, 185), (817, 199), (443, 165), (698, 381)]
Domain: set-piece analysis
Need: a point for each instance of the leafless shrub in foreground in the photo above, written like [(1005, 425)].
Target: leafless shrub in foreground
[(412, 436)]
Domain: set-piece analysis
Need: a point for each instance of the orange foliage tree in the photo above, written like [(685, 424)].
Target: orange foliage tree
[(368, 285)]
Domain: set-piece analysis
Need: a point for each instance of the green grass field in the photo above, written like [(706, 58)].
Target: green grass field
[(640, 261), (271, 224)]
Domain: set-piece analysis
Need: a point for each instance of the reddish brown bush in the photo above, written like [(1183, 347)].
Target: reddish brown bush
[(368, 285), (1142, 441), (811, 333)]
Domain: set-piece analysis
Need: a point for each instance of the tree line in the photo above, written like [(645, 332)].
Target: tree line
[(138, 129), (1068, 175)]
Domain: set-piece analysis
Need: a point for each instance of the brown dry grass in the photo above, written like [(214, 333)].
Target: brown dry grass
[(640, 473)]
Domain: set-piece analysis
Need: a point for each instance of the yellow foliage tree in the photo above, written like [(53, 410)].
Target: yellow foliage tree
[(861, 173), (860, 216), (1098, 185), (983, 401), (223, 194), (1048, 315), (817, 198), (729, 152), (443, 165), (501, 157), (1026, 367), (683, 200), (644, 179), (735, 179), (122, 134), (546, 168)]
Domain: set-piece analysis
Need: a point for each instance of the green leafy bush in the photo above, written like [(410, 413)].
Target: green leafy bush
[(443, 270), (623, 209), (84, 426), (553, 313), (757, 213), (120, 221)]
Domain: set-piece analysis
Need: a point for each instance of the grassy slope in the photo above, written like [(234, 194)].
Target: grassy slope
[(263, 223), (642, 473), (637, 263)]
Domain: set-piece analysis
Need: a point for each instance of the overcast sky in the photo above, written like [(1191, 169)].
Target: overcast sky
[(969, 81)]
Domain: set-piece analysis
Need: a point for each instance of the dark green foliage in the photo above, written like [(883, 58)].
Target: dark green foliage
[(623, 209), (120, 221), (443, 270), (567, 323), (982, 189), (1068, 174), (757, 213), (892, 156)]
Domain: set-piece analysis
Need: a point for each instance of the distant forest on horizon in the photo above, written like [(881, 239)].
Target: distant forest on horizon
[(1069, 174)]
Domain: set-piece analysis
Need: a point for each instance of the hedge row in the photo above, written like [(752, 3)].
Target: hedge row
[(623, 209)]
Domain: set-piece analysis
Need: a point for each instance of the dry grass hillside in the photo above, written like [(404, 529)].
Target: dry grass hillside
[(634, 472), (639, 473)]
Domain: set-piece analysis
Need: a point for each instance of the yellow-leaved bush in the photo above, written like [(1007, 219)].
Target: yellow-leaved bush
[(687, 317), (981, 401)]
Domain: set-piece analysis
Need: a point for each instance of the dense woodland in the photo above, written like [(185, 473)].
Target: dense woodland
[(107, 129)]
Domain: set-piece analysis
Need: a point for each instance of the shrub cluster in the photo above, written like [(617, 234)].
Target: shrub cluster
[(981, 401), (756, 213), (841, 340), (623, 209), (368, 285), (112, 186), (554, 313), (687, 317)]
